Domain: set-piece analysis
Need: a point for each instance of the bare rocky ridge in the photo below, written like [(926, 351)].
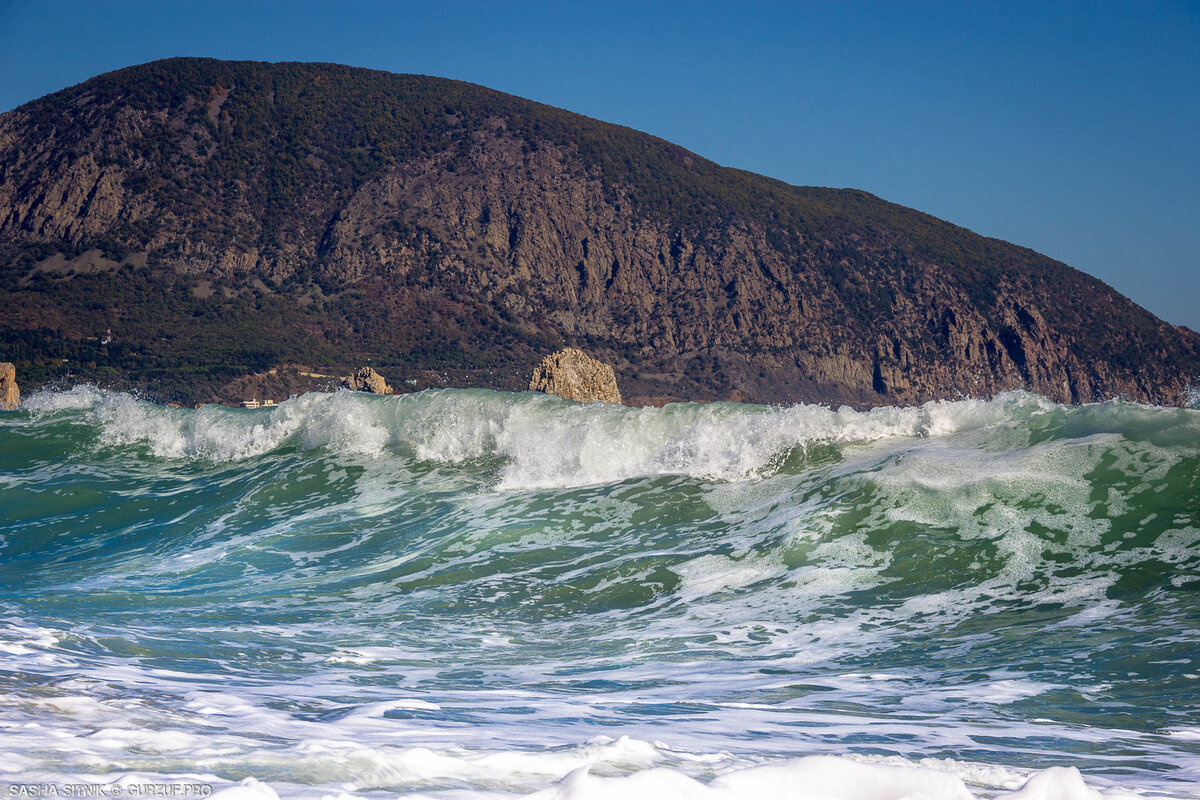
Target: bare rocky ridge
[(226, 216), (575, 375)]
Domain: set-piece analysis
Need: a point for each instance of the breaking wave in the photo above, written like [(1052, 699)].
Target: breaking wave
[(470, 593)]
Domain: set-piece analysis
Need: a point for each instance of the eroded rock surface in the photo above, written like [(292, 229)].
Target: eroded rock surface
[(575, 375), (366, 379), (10, 393)]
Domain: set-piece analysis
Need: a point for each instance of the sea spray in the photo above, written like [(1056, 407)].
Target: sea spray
[(471, 593)]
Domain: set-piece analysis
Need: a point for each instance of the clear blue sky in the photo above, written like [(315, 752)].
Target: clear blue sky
[(1071, 128)]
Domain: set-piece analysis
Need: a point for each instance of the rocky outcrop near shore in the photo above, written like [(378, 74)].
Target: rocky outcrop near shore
[(575, 375), (366, 379), (10, 393)]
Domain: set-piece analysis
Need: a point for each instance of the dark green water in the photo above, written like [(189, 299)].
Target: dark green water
[(469, 593)]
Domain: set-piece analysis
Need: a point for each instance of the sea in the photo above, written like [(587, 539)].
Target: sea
[(478, 594)]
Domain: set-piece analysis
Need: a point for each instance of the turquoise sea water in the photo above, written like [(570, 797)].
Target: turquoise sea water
[(471, 593)]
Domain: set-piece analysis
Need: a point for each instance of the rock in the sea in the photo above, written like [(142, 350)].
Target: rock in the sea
[(10, 394), (367, 380), (575, 375)]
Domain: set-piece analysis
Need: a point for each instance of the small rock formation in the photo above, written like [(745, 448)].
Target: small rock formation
[(10, 394), (575, 375), (367, 380)]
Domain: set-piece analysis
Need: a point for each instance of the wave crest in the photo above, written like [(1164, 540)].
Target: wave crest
[(541, 441)]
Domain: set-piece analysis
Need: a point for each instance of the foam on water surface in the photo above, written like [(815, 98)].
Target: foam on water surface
[(479, 594)]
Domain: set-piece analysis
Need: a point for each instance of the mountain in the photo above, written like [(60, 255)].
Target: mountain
[(205, 229)]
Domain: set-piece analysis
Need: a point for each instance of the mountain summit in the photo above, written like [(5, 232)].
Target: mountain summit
[(184, 223)]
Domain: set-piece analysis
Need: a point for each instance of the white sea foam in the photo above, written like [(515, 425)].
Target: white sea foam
[(415, 582), (551, 444), (19, 639), (601, 769), (545, 442), (342, 421), (248, 789)]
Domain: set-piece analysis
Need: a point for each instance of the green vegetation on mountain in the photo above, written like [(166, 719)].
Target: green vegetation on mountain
[(225, 218)]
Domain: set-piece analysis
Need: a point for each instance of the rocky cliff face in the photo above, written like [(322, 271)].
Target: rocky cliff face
[(457, 234)]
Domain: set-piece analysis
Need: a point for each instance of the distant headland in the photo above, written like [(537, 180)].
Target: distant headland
[(211, 230)]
